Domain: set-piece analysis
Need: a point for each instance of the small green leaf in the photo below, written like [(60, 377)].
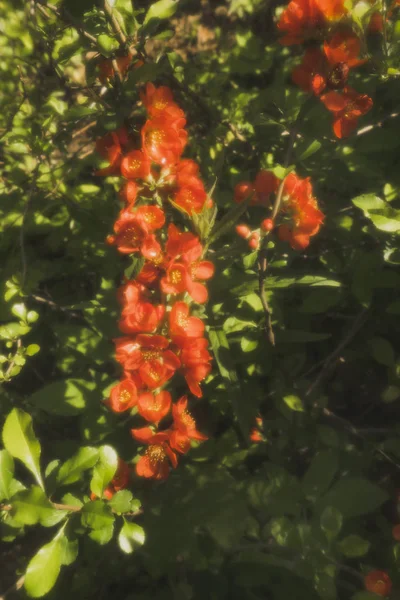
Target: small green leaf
[(20, 440), (331, 522), (6, 474), (354, 496), (98, 516), (44, 568), (107, 44), (32, 506), (294, 403), (310, 150), (385, 224), (320, 473), (19, 310), (163, 9), (71, 471), (32, 349), (353, 546), (131, 537), (390, 394), (104, 470), (121, 502), (69, 552), (369, 202)]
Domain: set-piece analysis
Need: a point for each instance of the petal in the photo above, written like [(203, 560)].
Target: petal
[(334, 101), (198, 292), (204, 270)]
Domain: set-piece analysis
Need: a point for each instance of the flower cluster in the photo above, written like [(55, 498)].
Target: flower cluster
[(333, 51), (161, 336), (299, 215)]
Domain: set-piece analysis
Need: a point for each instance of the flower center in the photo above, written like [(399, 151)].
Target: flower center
[(151, 354), (124, 396), (156, 454), (155, 137), (176, 276), (188, 420)]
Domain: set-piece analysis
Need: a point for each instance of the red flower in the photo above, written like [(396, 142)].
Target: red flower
[(180, 324), (122, 475), (300, 20), (255, 434), (137, 314), (164, 140), (134, 231), (149, 356), (343, 47), (184, 427), (107, 70), (332, 9), (183, 277), (378, 582), (347, 108), (265, 184), (135, 164), (195, 360), (152, 407), (159, 102), (375, 24), (123, 396), (242, 191), (302, 209), (155, 463), (311, 74), (129, 193), (109, 148), (191, 197), (180, 242)]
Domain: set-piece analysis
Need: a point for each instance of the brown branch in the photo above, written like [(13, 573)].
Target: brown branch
[(14, 588), (112, 19), (262, 273)]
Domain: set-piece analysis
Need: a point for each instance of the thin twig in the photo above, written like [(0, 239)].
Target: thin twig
[(262, 272), (55, 306), (65, 16), (14, 588), (112, 19)]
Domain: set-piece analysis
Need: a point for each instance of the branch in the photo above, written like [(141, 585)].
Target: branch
[(262, 273), (112, 19), (14, 588), (65, 16)]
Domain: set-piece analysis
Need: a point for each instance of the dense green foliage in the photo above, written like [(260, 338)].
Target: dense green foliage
[(304, 514)]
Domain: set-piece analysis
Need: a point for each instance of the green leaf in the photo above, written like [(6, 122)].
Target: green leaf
[(44, 568), (65, 398), (385, 224), (353, 546), (221, 350), (104, 470), (6, 474), (20, 441), (294, 403), (310, 150), (107, 44), (331, 522), (354, 496), (32, 349), (98, 516), (228, 221), (19, 310), (12, 331), (69, 552), (71, 471), (369, 202), (382, 351), (365, 596), (320, 473), (135, 267), (32, 506), (163, 9), (121, 502), (131, 537)]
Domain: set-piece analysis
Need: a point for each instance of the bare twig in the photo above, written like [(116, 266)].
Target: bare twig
[(262, 272), (55, 306), (14, 588), (112, 19)]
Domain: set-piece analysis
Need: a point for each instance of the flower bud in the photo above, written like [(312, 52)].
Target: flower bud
[(267, 225), (254, 240), (243, 231)]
